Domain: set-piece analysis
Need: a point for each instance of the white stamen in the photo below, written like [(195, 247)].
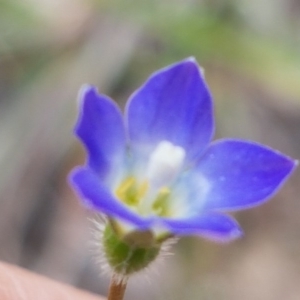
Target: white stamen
[(164, 164)]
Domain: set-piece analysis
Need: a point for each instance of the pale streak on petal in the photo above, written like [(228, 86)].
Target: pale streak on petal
[(189, 195)]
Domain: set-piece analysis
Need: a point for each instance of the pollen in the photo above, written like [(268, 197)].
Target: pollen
[(130, 191), (160, 204)]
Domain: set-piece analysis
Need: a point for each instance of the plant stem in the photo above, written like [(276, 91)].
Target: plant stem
[(117, 287)]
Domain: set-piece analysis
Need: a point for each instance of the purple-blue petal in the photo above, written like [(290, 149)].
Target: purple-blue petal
[(212, 225), (101, 129), (97, 196), (240, 174), (174, 105)]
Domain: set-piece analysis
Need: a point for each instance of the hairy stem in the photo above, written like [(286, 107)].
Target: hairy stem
[(117, 288)]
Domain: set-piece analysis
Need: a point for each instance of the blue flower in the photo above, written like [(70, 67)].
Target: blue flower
[(156, 169)]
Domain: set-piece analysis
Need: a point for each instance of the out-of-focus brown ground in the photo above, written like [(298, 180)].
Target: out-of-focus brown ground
[(48, 49)]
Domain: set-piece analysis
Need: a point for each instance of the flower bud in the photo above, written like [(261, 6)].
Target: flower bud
[(126, 255)]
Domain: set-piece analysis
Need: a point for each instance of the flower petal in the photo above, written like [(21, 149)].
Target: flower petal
[(237, 174), (214, 226), (173, 105), (97, 196), (101, 129)]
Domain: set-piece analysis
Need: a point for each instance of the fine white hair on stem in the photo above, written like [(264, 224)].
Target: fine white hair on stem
[(99, 223), (97, 230), (153, 270)]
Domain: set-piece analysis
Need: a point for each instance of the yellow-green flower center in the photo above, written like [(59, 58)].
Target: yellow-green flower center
[(130, 192), (150, 193), (133, 193)]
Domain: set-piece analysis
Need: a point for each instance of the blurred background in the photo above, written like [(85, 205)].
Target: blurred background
[(48, 48)]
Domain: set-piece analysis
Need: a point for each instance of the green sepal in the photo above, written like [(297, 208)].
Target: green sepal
[(125, 257)]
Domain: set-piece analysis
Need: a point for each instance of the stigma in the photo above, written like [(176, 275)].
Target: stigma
[(165, 163)]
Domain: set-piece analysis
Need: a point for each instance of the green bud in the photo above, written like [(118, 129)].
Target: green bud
[(130, 253)]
